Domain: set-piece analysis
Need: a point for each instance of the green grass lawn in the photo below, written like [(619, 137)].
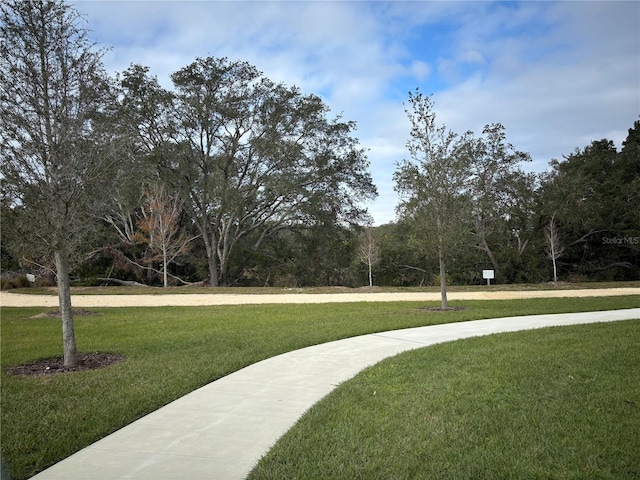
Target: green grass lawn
[(555, 403), (172, 351)]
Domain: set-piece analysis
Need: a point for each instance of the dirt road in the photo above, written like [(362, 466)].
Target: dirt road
[(86, 301)]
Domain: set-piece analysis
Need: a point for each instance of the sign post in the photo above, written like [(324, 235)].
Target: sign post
[(489, 275)]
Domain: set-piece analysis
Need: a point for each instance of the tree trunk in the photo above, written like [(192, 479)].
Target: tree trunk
[(555, 249), (487, 249), (553, 260), (370, 275), (164, 268), (483, 244), (64, 297), (213, 269), (226, 245), (443, 277), (126, 283), (210, 245)]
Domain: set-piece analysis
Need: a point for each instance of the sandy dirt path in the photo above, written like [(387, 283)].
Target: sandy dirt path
[(86, 301)]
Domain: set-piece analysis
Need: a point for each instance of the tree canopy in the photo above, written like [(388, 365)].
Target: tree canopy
[(250, 157), (55, 151), (594, 193), (435, 181)]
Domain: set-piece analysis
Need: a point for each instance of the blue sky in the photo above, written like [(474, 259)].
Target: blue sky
[(557, 75)]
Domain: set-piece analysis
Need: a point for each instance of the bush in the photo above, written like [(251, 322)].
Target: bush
[(436, 280), (13, 280), (44, 282)]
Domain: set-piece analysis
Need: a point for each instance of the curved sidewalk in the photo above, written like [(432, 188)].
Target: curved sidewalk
[(221, 430)]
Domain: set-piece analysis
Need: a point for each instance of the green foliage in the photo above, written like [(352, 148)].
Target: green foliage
[(249, 157), (434, 183), (595, 194), (503, 198)]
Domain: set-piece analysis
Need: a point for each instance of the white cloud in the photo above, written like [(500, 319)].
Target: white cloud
[(556, 74), (420, 70), (584, 88)]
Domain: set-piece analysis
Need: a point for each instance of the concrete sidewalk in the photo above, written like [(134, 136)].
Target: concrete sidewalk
[(221, 430)]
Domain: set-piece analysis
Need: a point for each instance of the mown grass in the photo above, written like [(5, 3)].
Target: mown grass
[(558, 403), (172, 351)]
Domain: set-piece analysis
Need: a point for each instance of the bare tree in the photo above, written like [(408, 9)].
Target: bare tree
[(555, 249), (53, 94), (160, 227), (369, 251)]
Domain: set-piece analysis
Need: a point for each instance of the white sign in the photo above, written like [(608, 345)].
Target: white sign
[(488, 274)]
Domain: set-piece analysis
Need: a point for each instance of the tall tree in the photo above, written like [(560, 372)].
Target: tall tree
[(250, 157), (53, 91), (434, 183), (145, 117), (497, 188)]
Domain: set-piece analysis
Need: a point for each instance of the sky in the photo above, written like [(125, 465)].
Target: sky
[(557, 75)]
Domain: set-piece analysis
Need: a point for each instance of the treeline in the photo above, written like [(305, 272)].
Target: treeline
[(467, 203), (590, 199), (231, 179), (591, 196)]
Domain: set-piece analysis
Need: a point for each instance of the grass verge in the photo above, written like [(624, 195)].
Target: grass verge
[(558, 403), (172, 351)]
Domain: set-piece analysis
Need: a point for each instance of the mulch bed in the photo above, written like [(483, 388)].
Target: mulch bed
[(76, 312), (50, 366)]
